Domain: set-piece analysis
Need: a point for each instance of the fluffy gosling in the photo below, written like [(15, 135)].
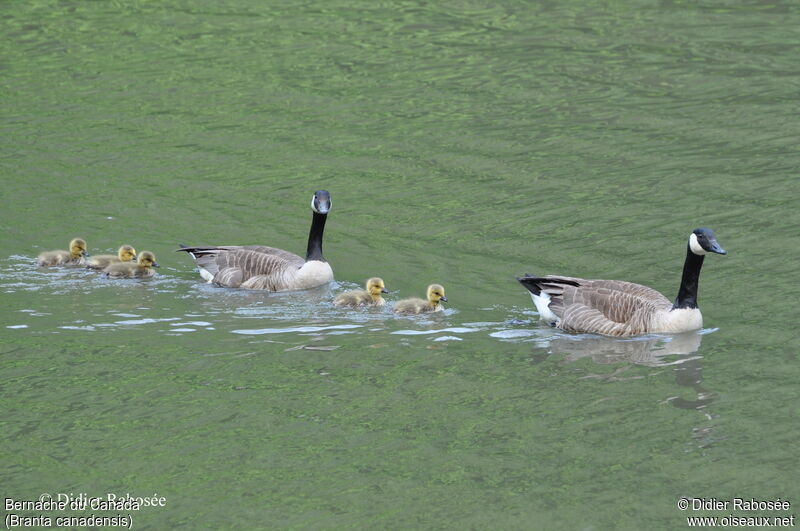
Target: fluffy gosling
[(143, 268), (126, 253), (75, 255), (359, 297), (415, 305)]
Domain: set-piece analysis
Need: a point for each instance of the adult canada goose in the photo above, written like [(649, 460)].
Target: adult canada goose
[(616, 308), (126, 253), (360, 297), (75, 255), (142, 268), (435, 295), (268, 268)]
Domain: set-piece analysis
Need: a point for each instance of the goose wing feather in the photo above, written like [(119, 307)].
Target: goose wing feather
[(197, 252), (610, 312), (274, 251), (609, 307), (235, 267)]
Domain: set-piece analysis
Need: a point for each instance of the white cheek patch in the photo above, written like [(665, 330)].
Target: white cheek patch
[(695, 246), (315, 209)]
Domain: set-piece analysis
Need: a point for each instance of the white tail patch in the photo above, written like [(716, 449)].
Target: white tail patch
[(208, 277), (542, 303)]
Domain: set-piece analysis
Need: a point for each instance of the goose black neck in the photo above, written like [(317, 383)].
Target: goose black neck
[(687, 294), (314, 251)]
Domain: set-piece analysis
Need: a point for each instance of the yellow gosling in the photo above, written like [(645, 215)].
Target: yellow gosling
[(126, 253), (75, 255), (142, 268), (360, 297), (415, 305)]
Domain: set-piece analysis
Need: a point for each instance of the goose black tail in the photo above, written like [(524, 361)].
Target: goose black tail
[(531, 283), (534, 283), (186, 249)]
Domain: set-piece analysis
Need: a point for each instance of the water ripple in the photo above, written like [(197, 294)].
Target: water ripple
[(294, 329), (455, 330)]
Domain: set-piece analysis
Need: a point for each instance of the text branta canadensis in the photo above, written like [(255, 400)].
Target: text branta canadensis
[(616, 308), (268, 268), (142, 268), (360, 297), (435, 296), (75, 255), (126, 253)]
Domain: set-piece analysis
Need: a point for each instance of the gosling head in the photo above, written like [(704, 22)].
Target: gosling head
[(375, 287), (147, 259), (77, 248), (126, 253), (321, 202), (703, 241), (436, 294)]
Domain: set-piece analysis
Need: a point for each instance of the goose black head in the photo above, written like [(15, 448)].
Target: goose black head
[(703, 241), (321, 202)]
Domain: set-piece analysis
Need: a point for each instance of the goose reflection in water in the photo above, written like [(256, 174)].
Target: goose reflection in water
[(677, 351), (655, 351)]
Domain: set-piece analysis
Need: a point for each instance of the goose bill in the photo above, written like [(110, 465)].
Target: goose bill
[(715, 248)]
